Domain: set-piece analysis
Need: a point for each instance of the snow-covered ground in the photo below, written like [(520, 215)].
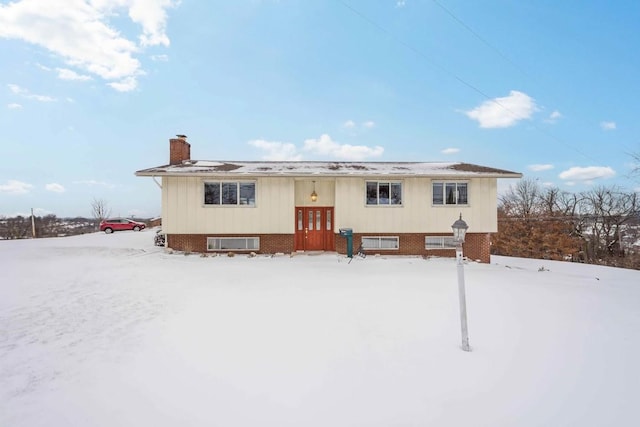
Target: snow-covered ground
[(108, 330)]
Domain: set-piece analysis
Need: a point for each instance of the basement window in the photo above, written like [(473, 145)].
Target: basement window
[(439, 242), (233, 243), (381, 242)]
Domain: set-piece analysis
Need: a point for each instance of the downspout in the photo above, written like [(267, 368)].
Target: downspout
[(157, 183)]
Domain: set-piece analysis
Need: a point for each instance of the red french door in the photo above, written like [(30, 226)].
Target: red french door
[(314, 229)]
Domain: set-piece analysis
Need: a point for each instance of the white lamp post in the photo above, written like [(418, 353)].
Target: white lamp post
[(459, 230)]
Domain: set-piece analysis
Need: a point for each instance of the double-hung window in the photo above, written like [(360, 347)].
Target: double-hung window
[(450, 193), (384, 193), (230, 193)]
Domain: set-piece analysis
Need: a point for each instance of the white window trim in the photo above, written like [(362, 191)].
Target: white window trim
[(378, 205), (227, 181), (209, 239), (397, 239), (445, 242), (444, 205)]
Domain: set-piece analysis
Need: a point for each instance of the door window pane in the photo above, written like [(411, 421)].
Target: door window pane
[(329, 220), (310, 220), (318, 220), (300, 219)]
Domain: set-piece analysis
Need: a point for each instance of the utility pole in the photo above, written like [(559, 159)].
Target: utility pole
[(33, 225)]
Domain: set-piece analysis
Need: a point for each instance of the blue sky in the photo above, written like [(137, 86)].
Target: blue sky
[(92, 90)]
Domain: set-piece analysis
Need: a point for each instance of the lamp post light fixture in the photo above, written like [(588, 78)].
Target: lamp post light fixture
[(314, 195), (459, 231)]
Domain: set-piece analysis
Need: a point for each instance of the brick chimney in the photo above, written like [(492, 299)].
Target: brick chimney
[(179, 150)]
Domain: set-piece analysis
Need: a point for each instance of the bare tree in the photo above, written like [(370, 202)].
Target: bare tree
[(18, 227), (636, 164), (608, 209), (521, 200), (536, 223), (100, 209)]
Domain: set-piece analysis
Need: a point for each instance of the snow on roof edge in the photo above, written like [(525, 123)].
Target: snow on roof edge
[(324, 168)]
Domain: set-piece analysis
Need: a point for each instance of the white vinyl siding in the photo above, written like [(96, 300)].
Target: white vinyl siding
[(183, 211)]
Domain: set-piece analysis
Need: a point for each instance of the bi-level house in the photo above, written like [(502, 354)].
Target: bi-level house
[(403, 208)]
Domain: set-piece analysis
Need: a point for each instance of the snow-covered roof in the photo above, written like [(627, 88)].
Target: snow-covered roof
[(328, 169)]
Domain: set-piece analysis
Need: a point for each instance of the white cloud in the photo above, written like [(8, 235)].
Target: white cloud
[(349, 124), (276, 151), (554, 117), (504, 112), (160, 58), (14, 106), (539, 168), (608, 125), (325, 146), (586, 173), (16, 89), (26, 94), (66, 74), (56, 188), (92, 182), (450, 151), (15, 187), (125, 85), (41, 98), (84, 37)]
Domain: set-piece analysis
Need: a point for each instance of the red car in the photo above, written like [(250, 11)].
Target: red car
[(118, 224)]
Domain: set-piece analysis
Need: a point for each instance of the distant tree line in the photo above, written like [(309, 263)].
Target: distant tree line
[(20, 227), (599, 226)]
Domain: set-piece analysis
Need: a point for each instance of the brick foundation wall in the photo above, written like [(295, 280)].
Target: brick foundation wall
[(476, 246), (269, 243)]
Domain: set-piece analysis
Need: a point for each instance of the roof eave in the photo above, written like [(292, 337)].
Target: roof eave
[(154, 173)]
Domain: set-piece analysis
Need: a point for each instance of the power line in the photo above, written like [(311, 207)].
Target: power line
[(503, 56), (396, 39), (479, 37)]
